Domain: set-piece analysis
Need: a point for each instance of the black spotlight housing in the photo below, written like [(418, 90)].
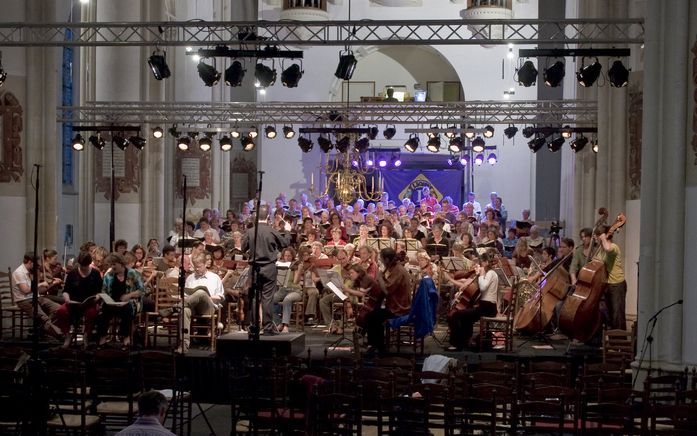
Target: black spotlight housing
[(158, 133), (205, 143), (288, 132), (120, 142), (78, 143), (324, 144), (536, 144), (158, 65), (555, 74), (137, 141), (389, 132), (412, 143), (470, 132), (578, 143), (290, 77), (264, 75), (234, 74), (488, 132), (528, 132), (208, 74), (588, 74), (305, 144), (225, 143), (456, 144), (3, 73), (478, 145), (618, 75), (343, 144), (183, 143), (556, 144), (527, 74), (248, 144), (510, 131), (270, 132), (253, 132), (362, 145), (433, 144), (98, 142), (373, 133), (347, 65)]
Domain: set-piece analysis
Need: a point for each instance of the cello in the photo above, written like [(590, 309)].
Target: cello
[(580, 315)]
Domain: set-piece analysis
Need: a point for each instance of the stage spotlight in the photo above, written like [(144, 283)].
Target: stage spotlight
[(510, 131), (205, 143), (305, 144), (347, 65), (362, 145), (527, 74), (528, 132), (556, 144), (536, 144), (208, 74), (235, 133), (234, 74), (354, 163), (253, 133), (78, 143), (470, 133), (554, 74), (412, 143), (382, 162), (324, 144), (137, 141), (183, 143), (158, 133), (618, 75), (566, 132), (389, 132), (450, 161), (373, 133), (488, 132), (456, 145), (595, 146), (579, 143), (264, 75), (248, 144), (270, 132), (342, 145), (288, 132), (290, 77), (369, 162), (464, 160), (433, 144), (492, 159), (120, 142), (478, 145), (225, 143), (396, 162), (450, 133), (98, 142), (587, 75), (479, 159), (158, 65)]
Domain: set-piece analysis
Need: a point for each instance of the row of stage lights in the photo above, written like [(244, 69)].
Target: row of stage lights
[(556, 142), (78, 142), (587, 75)]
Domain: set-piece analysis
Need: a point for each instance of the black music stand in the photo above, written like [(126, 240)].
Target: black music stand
[(344, 298)]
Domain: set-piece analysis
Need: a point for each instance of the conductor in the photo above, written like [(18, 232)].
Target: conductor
[(269, 243)]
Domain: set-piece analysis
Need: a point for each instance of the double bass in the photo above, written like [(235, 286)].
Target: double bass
[(580, 315), (468, 294)]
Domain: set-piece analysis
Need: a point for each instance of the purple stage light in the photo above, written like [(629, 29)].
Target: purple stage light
[(398, 163), (479, 159), (382, 163), (369, 162)]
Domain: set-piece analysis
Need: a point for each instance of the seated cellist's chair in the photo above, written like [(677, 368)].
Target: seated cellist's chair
[(499, 328)]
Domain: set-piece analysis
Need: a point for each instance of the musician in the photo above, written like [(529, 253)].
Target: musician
[(122, 284), (169, 265), (362, 238), (139, 254), (269, 242), (51, 271), (121, 246), (230, 217), (427, 268), (81, 283), (286, 296), (386, 232), (98, 254), (546, 263), (22, 295), (336, 240), (459, 251), (476, 207), (325, 303), (581, 253), (397, 291), (335, 223), (153, 248), (461, 323), (365, 256), (200, 302), (490, 220), (509, 242), (616, 288), (521, 254), (436, 239)]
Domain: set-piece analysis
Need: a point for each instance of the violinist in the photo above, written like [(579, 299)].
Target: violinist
[(546, 262), (325, 303), (462, 322), (616, 288), (365, 256), (169, 262), (397, 287), (139, 253), (427, 268), (286, 296), (51, 271), (154, 248)]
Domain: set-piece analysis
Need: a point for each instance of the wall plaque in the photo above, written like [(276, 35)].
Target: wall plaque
[(126, 170), (196, 165), (11, 165)]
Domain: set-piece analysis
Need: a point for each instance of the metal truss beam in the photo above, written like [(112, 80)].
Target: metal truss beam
[(533, 112), (326, 33)]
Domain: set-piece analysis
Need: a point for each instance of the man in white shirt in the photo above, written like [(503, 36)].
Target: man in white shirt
[(200, 302), (21, 293), (471, 198), (152, 408)]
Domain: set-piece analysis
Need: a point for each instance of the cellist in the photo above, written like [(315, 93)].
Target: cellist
[(461, 322), (616, 287)]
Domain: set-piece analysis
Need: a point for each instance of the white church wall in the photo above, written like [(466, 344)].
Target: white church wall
[(631, 253)]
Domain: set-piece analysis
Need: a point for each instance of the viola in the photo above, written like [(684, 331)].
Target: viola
[(371, 301), (580, 315)]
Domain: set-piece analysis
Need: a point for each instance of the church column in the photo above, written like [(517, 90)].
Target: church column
[(662, 261)]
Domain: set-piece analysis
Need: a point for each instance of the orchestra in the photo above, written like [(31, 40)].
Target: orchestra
[(379, 251)]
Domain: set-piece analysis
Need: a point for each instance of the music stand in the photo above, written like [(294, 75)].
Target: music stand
[(410, 244), (379, 243), (343, 297), (453, 263), (440, 250)]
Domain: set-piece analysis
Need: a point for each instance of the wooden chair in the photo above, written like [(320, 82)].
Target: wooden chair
[(18, 319), (165, 296), (14, 401), (115, 386), (157, 370), (205, 327), (336, 414), (499, 328), (298, 314), (618, 346)]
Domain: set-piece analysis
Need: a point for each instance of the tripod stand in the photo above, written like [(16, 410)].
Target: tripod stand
[(334, 345)]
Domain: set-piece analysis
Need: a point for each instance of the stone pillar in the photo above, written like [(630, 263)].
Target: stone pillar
[(663, 263)]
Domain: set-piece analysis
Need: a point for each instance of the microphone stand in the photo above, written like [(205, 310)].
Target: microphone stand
[(255, 306), (182, 272), (648, 340)]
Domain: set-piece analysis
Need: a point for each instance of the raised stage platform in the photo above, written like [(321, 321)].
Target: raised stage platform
[(237, 344)]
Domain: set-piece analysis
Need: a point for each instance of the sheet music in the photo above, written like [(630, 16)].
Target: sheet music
[(337, 291), (242, 280), (283, 277)]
